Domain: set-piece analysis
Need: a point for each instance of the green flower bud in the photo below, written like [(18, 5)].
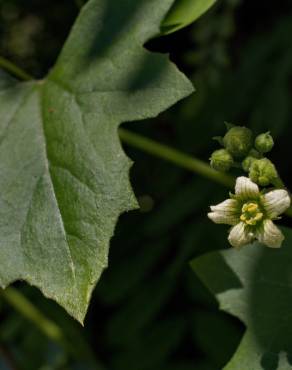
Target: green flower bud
[(262, 171), (264, 142), (247, 162), (221, 160), (252, 155), (238, 141), (255, 154)]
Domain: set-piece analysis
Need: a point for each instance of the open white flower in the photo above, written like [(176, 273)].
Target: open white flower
[(251, 213)]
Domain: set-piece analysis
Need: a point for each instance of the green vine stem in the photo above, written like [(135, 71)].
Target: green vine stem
[(49, 328), (14, 70), (30, 312), (174, 156)]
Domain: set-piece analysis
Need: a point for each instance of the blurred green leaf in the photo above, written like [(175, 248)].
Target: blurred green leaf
[(254, 284), (64, 177), (126, 277), (186, 201), (151, 349), (211, 328), (183, 13)]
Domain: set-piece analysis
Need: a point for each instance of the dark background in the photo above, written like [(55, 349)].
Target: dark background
[(149, 310)]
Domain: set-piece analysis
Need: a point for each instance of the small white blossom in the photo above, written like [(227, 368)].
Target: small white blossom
[(251, 213)]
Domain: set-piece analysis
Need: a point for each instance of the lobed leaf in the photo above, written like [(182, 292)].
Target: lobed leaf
[(64, 178), (254, 284)]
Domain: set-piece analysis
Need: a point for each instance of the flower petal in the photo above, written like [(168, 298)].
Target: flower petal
[(228, 205), (245, 189), (226, 212), (270, 235), (276, 202), (240, 236), (221, 218)]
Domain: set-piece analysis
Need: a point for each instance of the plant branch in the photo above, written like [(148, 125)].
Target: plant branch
[(14, 69), (30, 312), (50, 329), (174, 156)]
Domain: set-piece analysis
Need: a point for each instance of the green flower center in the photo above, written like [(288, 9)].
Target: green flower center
[(251, 213)]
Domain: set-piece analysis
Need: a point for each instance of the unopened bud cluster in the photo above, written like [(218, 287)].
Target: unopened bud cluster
[(241, 149)]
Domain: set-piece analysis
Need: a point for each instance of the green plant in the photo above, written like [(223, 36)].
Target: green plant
[(65, 182)]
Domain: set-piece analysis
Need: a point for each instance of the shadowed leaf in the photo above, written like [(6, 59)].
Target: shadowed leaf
[(64, 179), (262, 300)]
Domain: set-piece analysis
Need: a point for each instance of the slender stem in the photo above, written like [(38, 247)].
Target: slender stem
[(14, 69), (50, 329), (175, 156), (30, 312)]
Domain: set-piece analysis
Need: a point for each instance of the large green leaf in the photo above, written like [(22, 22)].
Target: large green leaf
[(183, 13), (255, 284), (63, 175)]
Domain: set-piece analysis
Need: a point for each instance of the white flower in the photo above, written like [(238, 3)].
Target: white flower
[(251, 213)]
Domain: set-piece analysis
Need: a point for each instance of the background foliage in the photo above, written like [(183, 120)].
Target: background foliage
[(150, 311)]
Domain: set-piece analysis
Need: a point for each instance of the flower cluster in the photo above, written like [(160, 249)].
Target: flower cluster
[(241, 150), (251, 210), (251, 214)]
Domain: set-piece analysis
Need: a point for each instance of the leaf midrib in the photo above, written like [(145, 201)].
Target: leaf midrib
[(53, 189)]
